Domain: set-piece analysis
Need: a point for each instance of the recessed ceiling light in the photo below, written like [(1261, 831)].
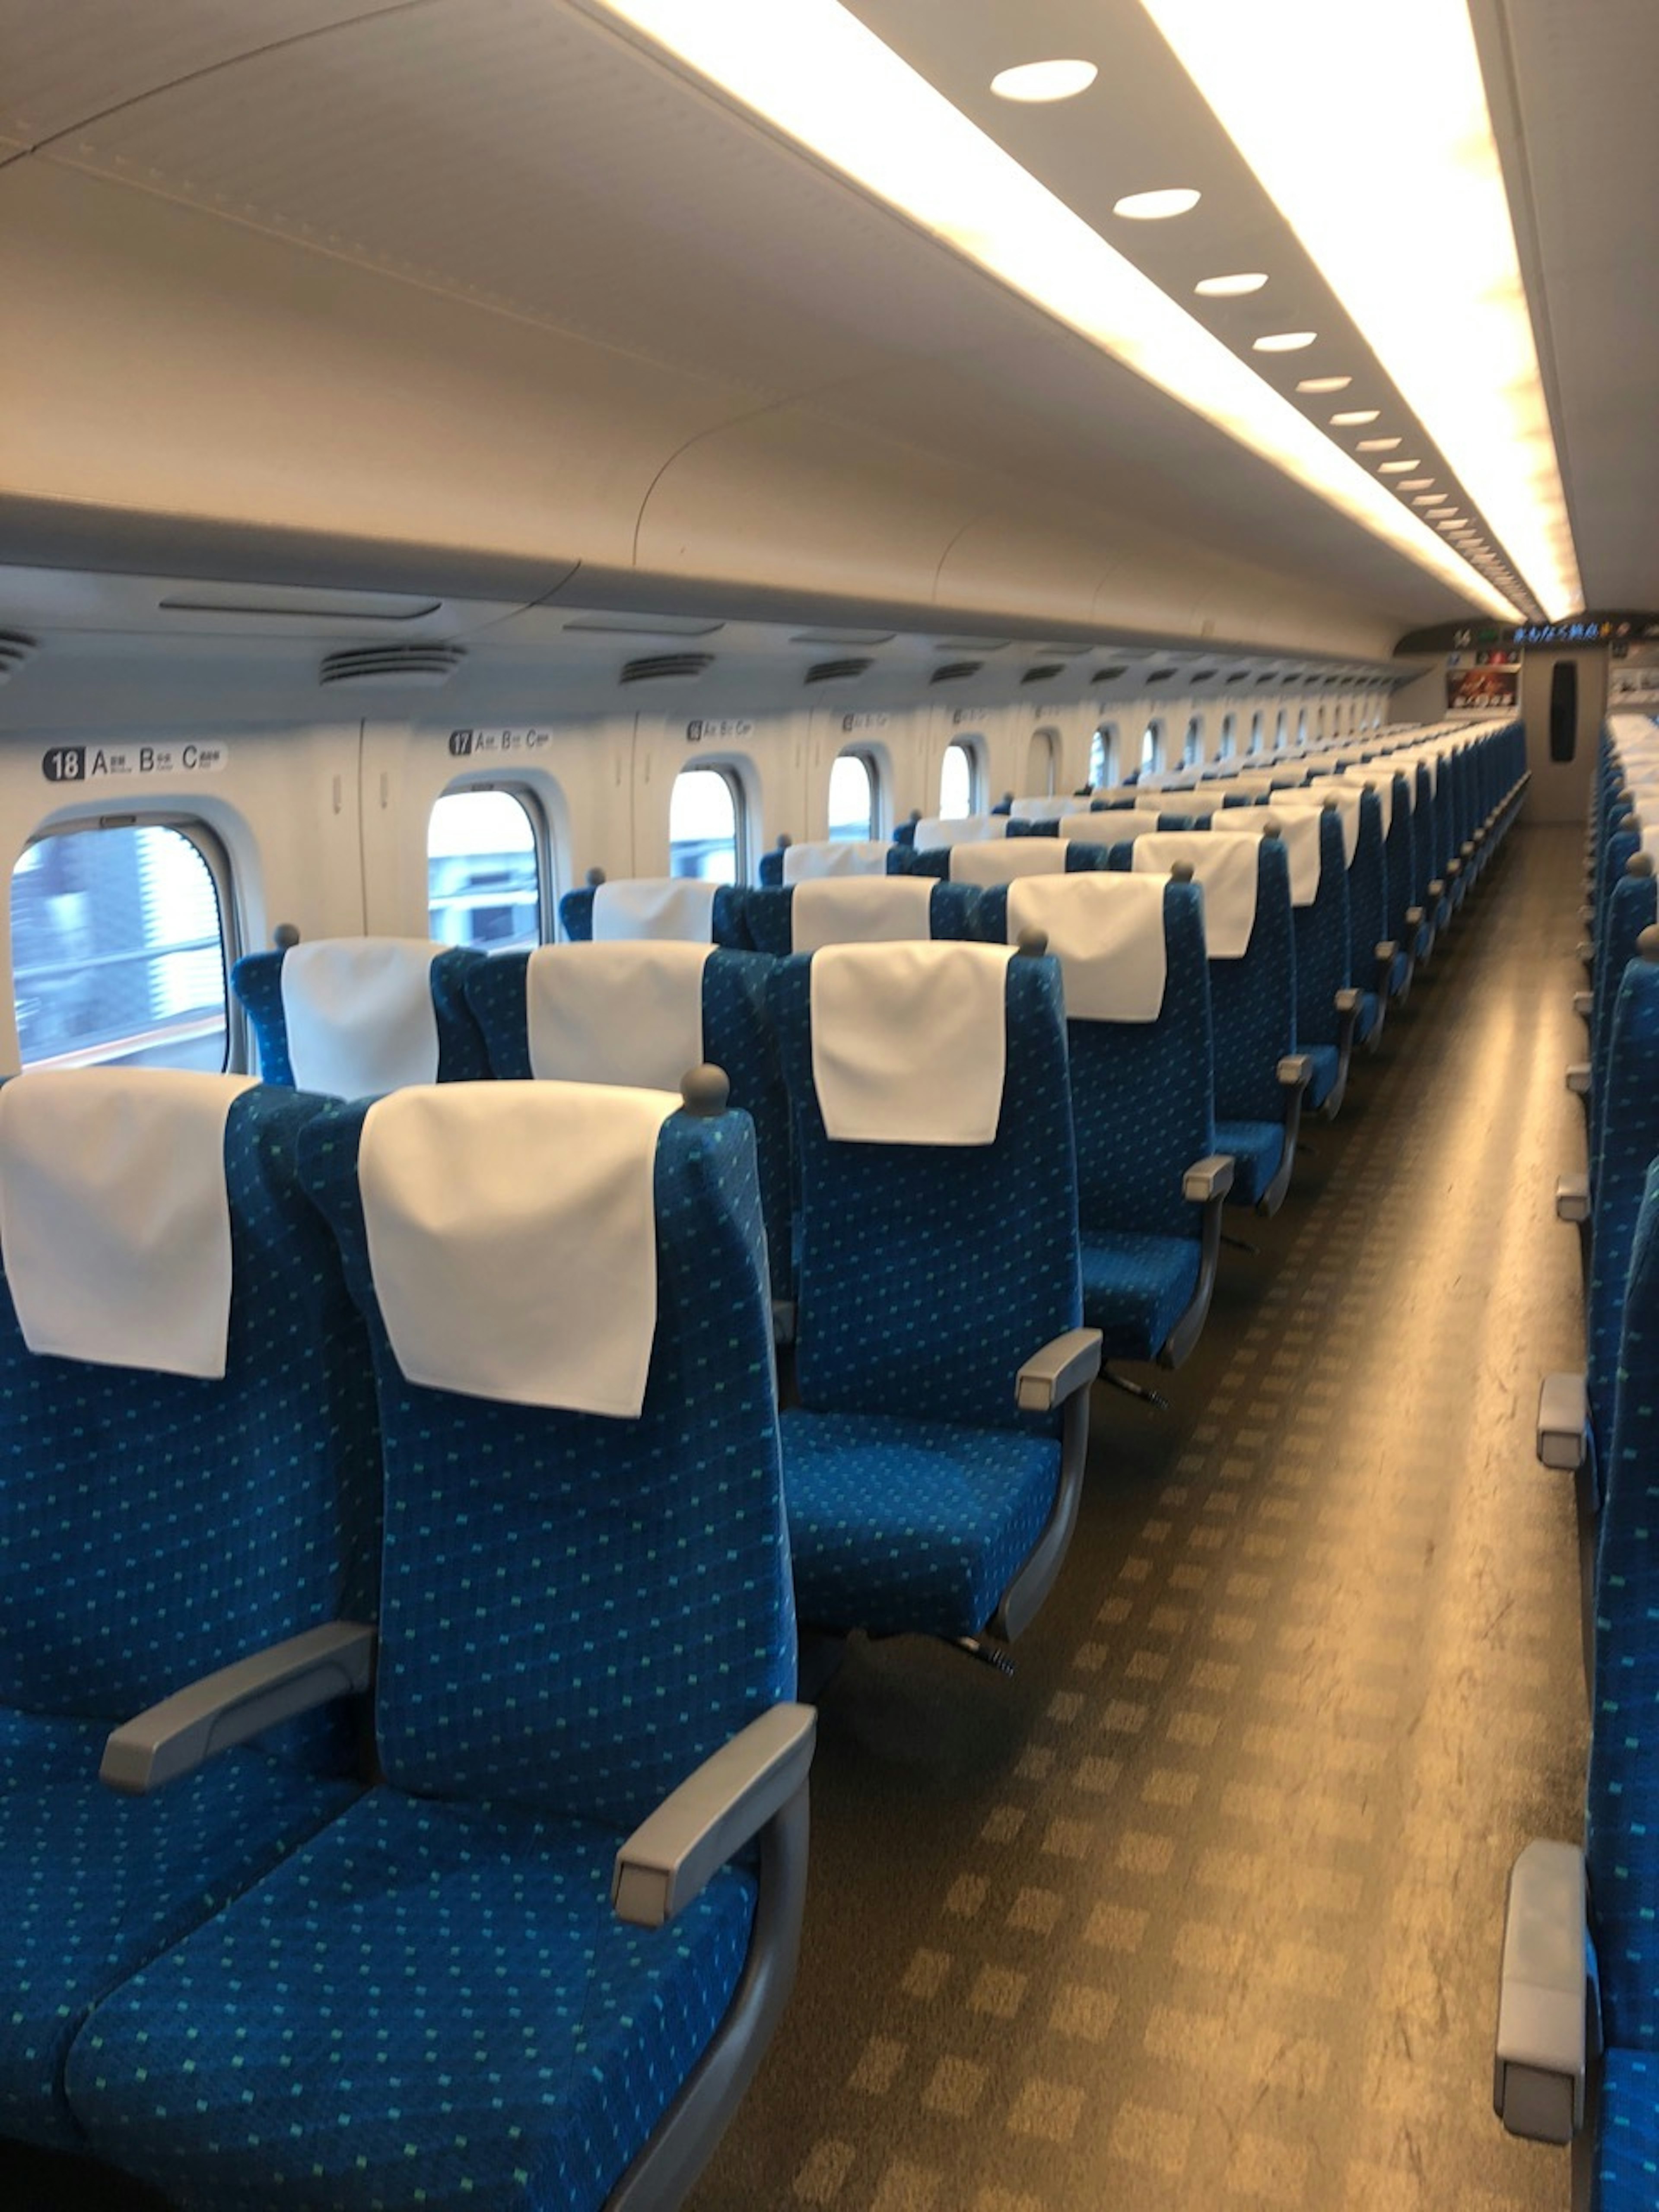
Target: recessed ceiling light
[(1466, 365), (1428, 499), (1393, 468), (1155, 207), (1324, 384), (1413, 483), (1283, 340), (1229, 288), (812, 70), (1378, 444), (1039, 81), (1454, 523), (1351, 418)]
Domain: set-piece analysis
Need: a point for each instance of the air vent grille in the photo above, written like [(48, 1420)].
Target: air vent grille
[(1161, 675), (1109, 675), (837, 672), (659, 667), (954, 671), (1205, 675), (1043, 673), (1239, 676), (423, 665), (15, 649)]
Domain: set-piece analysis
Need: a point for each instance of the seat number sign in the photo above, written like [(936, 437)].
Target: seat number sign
[(92, 763)]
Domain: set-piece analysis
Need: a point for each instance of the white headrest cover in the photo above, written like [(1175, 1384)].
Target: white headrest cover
[(1048, 810), (1107, 932), (675, 906), (1199, 802), (860, 910), (114, 1219), (910, 1041), (835, 856), (1298, 830), (1226, 867), (513, 1238), (1253, 781), (1347, 796), (627, 1014), (1650, 844), (1001, 864), (359, 1014), (1113, 825), (932, 831)]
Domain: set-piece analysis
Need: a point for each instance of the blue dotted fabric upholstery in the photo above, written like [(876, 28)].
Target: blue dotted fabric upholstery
[(1368, 896), (257, 980), (1253, 1003), (433, 2004), (928, 1275), (737, 1036), (1135, 1289), (153, 1528), (1257, 1148), (1398, 878), (769, 872), (1633, 906), (1629, 1141), (1323, 965), (954, 911), (1626, 2165), (730, 928), (1081, 857)]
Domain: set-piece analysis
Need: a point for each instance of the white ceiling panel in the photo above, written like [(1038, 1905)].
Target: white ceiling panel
[(64, 64)]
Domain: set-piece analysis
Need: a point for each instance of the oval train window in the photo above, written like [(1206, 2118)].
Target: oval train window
[(705, 825), (483, 871), (853, 796)]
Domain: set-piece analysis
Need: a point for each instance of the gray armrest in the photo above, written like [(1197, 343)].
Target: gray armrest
[(1583, 1003), (1578, 1078), (1347, 1002), (1563, 1422), (1385, 953), (1586, 953), (1572, 1198), (714, 1813), (1295, 1071), (1209, 1178), (1437, 887), (1539, 2058), (1065, 1365), (185, 1730), (1413, 917)]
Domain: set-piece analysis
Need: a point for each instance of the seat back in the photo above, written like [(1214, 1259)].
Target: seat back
[(866, 910), (354, 1017), (579, 1606), (1629, 1140), (928, 1272), (646, 1014), (1322, 925), (659, 907), (1621, 1836), (1253, 989), (1631, 905), (790, 863), (158, 1522)]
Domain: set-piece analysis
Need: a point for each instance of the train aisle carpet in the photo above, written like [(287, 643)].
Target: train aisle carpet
[(1205, 1906)]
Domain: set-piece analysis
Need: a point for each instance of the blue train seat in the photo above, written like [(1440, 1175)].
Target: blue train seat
[(356, 1017), (192, 1472), (791, 863), (934, 1463), (537, 1964), (859, 909), (682, 907)]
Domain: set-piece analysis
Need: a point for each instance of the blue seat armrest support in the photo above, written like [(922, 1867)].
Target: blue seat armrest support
[(714, 1813), (1348, 1002), (1065, 1365), (1547, 2017), (1578, 1078), (1573, 1199), (1563, 1422), (1060, 1374), (185, 1730), (1206, 1184), (1583, 1003)]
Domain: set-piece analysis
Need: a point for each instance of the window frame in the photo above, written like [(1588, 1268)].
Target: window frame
[(211, 850), (1151, 747), (971, 745), (1192, 743), (1051, 741), (1227, 743), (1105, 735), (541, 833), (871, 763), (731, 775)]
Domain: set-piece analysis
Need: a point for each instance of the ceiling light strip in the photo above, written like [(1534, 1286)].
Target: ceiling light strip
[(816, 74), (1422, 192)]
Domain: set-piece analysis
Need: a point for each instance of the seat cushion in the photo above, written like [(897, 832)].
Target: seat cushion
[(1627, 2143), (93, 1886), (1135, 1289), (1399, 973), (910, 1527), (1326, 1067), (430, 2004), (1366, 1027), (1257, 1148)]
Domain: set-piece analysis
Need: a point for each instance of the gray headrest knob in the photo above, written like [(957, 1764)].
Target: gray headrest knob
[(916, 814), (785, 841), (1033, 942), (1639, 864), (1648, 943), (595, 878), (1327, 805), (1181, 872), (705, 1089), (1270, 825), (285, 936)]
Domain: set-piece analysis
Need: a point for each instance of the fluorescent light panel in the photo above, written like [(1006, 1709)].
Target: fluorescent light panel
[(816, 74), (1462, 354)]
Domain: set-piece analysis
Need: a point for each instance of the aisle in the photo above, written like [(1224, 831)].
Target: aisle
[(1204, 1905)]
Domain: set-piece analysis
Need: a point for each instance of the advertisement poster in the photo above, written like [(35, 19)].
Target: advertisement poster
[(1480, 690)]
